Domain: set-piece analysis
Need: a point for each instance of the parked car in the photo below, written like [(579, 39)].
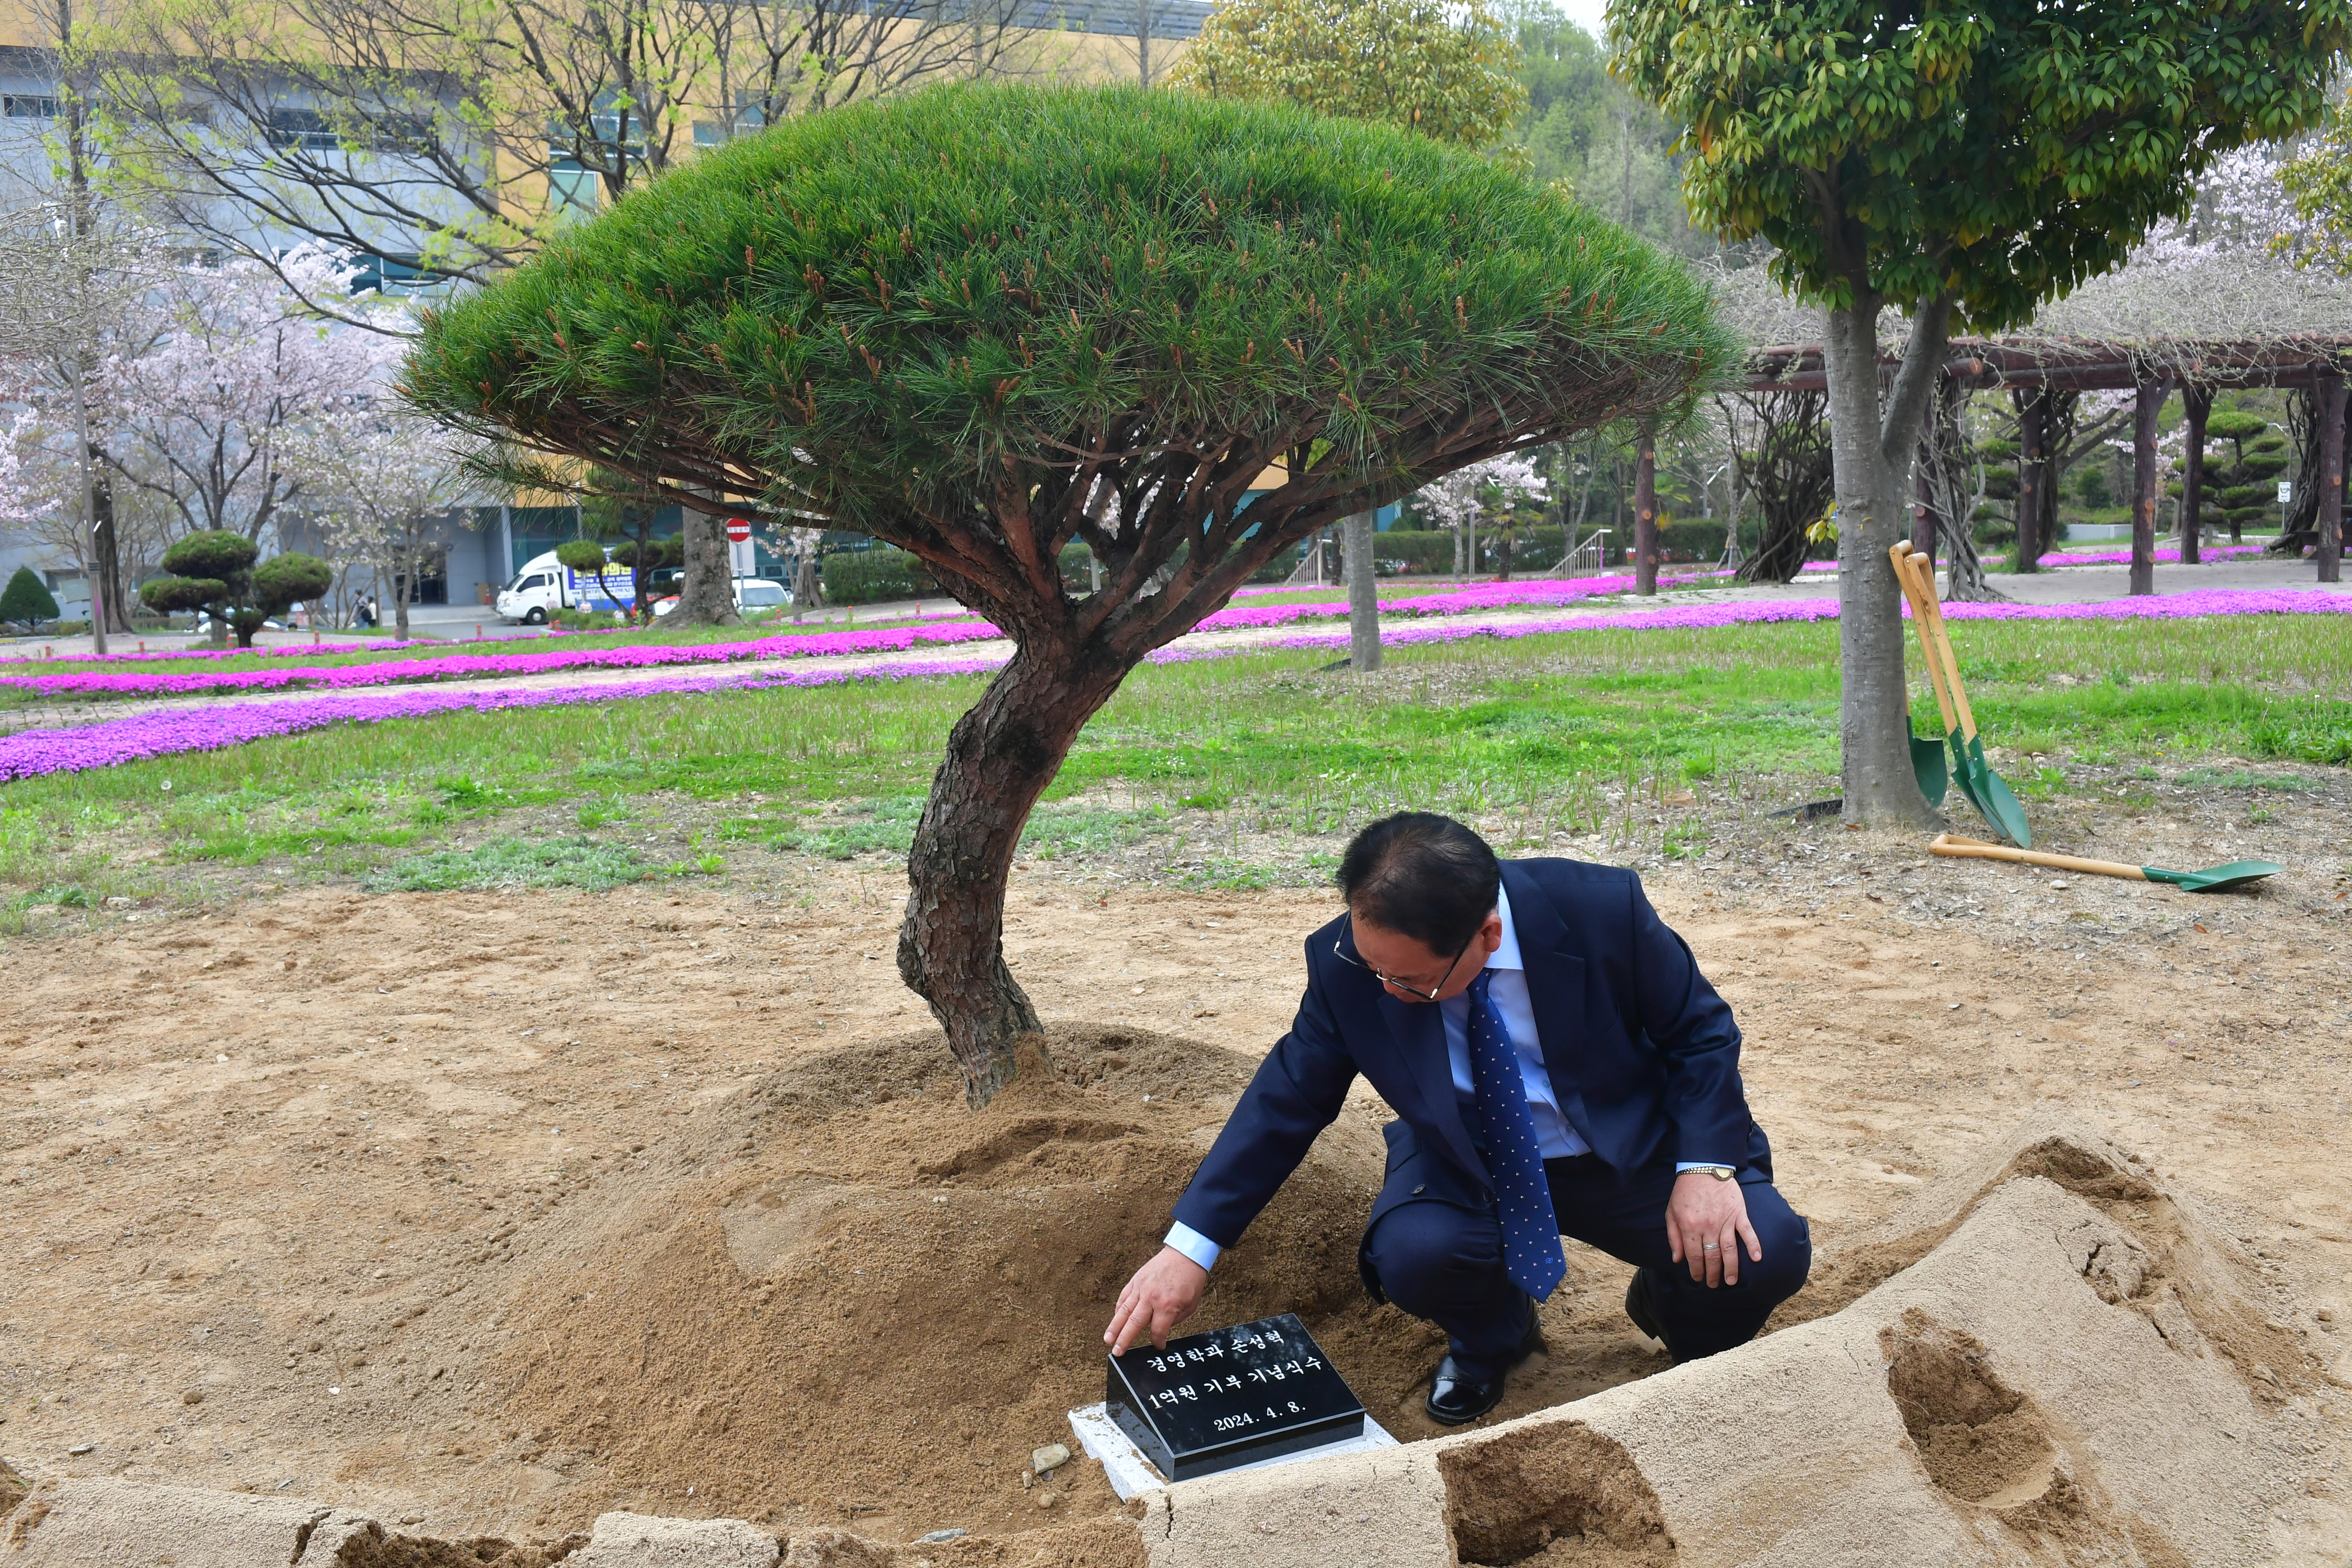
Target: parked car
[(750, 593)]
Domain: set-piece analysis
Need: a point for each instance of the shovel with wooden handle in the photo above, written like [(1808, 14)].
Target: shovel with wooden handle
[(1927, 756), (1984, 788), (2212, 879)]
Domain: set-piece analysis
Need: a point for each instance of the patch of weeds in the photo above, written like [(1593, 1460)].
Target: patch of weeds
[(2317, 730), (2239, 778), (1057, 832), (1698, 768), (514, 863), (598, 813), (1685, 841), (1239, 876), (885, 825), (429, 815)]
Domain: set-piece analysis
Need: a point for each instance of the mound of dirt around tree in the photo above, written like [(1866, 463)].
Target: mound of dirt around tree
[(862, 1304)]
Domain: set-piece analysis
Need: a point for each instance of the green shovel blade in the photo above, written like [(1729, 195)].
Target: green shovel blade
[(2214, 878), (1927, 765), (1987, 793)]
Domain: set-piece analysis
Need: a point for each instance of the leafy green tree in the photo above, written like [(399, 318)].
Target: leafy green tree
[(1584, 126), (983, 322), (26, 600), (1400, 62), (1963, 164), (214, 572)]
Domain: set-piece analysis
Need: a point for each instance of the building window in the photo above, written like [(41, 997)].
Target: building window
[(304, 128), (571, 188), (29, 106)]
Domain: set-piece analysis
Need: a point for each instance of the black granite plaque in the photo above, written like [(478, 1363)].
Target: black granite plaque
[(1212, 1401)]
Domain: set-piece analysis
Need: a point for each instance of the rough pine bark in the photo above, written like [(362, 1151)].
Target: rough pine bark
[(1000, 757), (1871, 454), (705, 592)]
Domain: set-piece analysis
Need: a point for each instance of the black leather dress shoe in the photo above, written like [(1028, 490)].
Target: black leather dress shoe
[(1455, 1399), (1644, 1314)]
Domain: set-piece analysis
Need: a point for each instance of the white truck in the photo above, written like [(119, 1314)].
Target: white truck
[(545, 584)]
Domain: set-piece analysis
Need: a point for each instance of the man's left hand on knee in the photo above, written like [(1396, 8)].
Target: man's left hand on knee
[(1707, 1227)]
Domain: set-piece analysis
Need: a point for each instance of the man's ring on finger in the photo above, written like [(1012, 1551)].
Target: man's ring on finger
[(1708, 1247)]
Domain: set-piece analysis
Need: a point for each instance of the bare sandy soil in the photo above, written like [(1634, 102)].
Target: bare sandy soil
[(489, 1212)]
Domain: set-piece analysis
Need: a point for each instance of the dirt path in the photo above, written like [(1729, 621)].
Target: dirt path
[(293, 1185)]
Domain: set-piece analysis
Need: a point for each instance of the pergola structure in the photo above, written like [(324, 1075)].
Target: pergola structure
[(2036, 366)]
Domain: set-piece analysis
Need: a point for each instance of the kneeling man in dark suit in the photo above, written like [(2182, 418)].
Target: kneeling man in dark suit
[(1558, 1066)]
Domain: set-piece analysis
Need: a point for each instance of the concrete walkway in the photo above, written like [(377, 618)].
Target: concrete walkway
[(2064, 585)]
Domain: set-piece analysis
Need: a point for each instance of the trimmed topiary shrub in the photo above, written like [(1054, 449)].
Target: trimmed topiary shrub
[(26, 600), (875, 576), (214, 573)]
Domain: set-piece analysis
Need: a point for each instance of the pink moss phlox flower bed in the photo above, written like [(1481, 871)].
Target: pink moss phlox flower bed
[(296, 652), (143, 736), (475, 666)]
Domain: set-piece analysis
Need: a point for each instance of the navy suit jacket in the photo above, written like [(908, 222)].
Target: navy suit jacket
[(1642, 1054)]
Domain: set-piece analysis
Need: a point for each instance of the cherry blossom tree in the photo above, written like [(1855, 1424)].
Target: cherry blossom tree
[(1456, 502), (379, 480), (201, 420)]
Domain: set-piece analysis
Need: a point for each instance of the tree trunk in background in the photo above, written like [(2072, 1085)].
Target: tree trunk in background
[(1363, 594), (808, 590), (1645, 513), (1872, 454), (1922, 489), (2196, 403), (2032, 477), (400, 581), (2151, 395), (1000, 757), (106, 554), (705, 592), (2331, 478)]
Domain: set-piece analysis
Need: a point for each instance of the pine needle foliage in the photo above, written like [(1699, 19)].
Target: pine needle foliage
[(947, 321)]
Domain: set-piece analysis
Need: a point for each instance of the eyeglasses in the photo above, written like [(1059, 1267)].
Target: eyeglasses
[(1346, 957)]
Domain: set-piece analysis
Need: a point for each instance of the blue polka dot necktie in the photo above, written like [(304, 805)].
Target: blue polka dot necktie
[(1532, 1251)]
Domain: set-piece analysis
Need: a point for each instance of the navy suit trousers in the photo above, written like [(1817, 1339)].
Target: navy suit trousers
[(1444, 1263)]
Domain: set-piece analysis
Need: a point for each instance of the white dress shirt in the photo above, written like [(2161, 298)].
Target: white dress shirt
[(1508, 991)]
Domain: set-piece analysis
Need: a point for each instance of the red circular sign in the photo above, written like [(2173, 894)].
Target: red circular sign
[(739, 528)]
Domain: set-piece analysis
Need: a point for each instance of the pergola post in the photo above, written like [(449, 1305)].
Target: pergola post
[(2032, 476), (2151, 393), (2331, 476), (2195, 402), (1645, 513)]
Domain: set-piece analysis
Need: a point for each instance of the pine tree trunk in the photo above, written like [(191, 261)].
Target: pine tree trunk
[(1873, 507), (1000, 757), (706, 593), (2330, 553)]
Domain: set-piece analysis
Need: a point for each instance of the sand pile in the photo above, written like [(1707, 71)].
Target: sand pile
[(851, 1301), (2074, 1365)]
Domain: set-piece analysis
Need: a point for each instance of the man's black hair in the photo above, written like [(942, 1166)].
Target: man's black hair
[(1423, 876)]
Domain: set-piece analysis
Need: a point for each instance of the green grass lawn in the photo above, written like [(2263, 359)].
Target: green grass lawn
[(1214, 766)]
